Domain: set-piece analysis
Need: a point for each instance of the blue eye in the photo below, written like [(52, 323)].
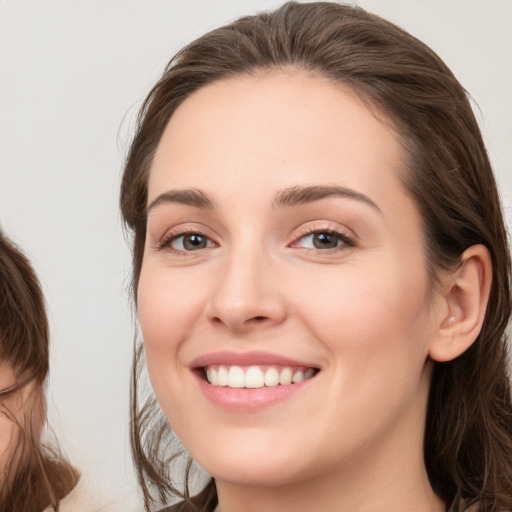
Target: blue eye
[(321, 240)]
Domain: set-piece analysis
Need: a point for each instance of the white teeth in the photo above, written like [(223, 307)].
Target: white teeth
[(222, 376), (254, 377), (211, 375), (298, 377), (285, 377), (236, 377), (271, 377)]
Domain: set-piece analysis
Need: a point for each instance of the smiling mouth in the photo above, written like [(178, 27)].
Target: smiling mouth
[(254, 377)]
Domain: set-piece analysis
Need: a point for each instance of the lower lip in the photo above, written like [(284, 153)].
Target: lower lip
[(249, 399)]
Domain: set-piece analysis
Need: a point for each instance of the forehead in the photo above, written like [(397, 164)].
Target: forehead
[(280, 125)]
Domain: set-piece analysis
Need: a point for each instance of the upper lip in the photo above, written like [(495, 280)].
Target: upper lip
[(246, 359)]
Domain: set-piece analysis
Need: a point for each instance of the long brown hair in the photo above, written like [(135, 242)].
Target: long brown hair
[(36, 476), (468, 441)]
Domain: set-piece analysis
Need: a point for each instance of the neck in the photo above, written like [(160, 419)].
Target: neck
[(331, 496)]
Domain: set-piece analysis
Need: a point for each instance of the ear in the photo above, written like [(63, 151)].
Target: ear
[(465, 293)]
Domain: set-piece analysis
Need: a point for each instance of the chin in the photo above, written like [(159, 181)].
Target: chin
[(254, 463), (250, 473)]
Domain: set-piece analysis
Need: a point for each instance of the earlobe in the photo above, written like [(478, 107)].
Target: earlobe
[(466, 294)]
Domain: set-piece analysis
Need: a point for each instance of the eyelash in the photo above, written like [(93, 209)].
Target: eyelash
[(344, 240), (166, 242), (342, 237)]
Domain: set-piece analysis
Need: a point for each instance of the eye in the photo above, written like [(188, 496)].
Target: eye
[(189, 242), (324, 240)]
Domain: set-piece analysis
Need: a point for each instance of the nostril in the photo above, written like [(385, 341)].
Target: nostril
[(254, 321)]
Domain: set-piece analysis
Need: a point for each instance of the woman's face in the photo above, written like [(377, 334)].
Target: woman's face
[(281, 245)]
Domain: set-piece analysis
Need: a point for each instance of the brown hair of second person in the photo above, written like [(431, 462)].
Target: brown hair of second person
[(35, 476)]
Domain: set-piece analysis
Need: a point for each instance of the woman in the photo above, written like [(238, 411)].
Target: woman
[(321, 272), (33, 476)]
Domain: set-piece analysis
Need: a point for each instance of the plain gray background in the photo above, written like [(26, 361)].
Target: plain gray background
[(72, 74)]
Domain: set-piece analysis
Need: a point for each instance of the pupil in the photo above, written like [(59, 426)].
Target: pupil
[(194, 242), (324, 240)]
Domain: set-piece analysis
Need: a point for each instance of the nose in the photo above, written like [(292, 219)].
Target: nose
[(247, 294)]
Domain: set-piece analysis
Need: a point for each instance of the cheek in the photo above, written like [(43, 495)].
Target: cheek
[(367, 310), (170, 305), (167, 307), (375, 331)]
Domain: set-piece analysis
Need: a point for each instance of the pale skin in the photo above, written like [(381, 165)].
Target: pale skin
[(335, 279)]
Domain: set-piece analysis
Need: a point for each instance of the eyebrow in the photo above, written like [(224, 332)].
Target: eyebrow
[(307, 194), (190, 197), (292, 196)]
